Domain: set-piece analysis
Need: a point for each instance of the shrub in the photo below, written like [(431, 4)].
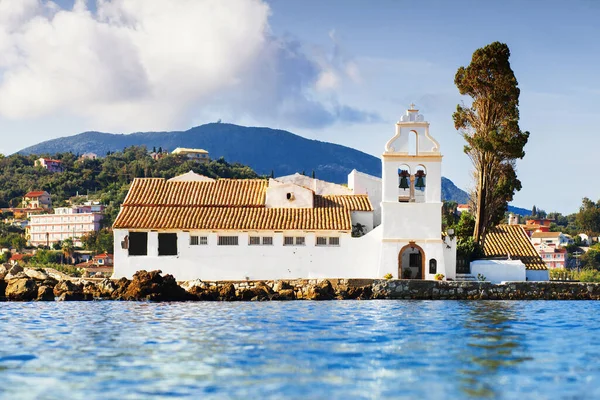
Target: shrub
[(439, 277), (589, 275), (388, 276)]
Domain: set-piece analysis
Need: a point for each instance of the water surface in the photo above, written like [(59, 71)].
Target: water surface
[(300, 350)]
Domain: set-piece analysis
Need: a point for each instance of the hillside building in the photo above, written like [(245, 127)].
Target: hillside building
[(65, 223), (39, 199), (50, 164), (193, 154), (230, 229), (557, 239)]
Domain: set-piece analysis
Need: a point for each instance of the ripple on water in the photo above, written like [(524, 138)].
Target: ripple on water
[(299, 350)]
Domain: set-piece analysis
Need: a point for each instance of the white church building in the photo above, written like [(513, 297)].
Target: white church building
[(292, 227)]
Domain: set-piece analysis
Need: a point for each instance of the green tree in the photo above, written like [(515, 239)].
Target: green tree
[(18, 242), (68, 249), (490, 126), (588, 217)]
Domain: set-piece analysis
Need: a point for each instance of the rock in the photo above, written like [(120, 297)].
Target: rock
[(68, 290), (227, 292), (321, 291), (188, 285), (57, 275), (153, 286), (45, 293), (282, 285), (22, 289), (70, 296), (17, 275), (15, 269), (3, 272), (359, 293), (2, 289), (261, 291), (284, 294), (121, 288), (204, 294), (36, 274)]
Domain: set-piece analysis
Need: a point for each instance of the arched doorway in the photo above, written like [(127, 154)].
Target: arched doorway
[(411, 262)]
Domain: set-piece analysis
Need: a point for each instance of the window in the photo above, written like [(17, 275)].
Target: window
[(254, 240), (193, 240), (433, 266), (300, 241), (167, 244), (321, 241), (138, 243), (203, 240), (228, 241), (267, 241), (288, 241), (334, 241)]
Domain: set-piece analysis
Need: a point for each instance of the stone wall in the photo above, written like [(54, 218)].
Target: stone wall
[(316, 289), (18, 284)]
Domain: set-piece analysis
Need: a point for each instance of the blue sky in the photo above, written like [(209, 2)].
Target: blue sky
[(339, 71)]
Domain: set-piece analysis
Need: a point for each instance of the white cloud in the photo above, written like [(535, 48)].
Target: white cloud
[(145, 64)]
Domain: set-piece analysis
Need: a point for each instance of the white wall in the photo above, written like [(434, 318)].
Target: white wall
[(364, 218), (354, 258), (277, 196), (496, 271), (412, 220), (538, 275), (361, 183)]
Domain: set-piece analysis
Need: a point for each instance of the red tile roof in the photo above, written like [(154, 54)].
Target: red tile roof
[(228, 204), (505, 240), (36, 193)]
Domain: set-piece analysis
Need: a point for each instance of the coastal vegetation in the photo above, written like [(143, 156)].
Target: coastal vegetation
[(104, 179), (490, 127)]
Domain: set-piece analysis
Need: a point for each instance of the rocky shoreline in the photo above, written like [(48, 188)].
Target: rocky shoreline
[(27, 284)]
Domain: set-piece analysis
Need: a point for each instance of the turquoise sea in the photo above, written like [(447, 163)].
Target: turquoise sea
[(300, 350)]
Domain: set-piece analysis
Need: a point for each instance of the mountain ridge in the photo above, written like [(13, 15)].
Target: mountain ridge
[(265, 150)]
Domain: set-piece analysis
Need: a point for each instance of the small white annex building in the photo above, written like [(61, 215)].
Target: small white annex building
[(295, 226)]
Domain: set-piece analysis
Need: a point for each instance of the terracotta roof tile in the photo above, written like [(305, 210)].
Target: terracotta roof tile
[(233, 218), (512, 239), (35, 194), (223, 192), (350, 202), (230, 204), (545, 235)]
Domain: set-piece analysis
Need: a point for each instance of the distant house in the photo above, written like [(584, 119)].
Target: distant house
[(193, 154), (585, 239), (37, 199), (49, 164), (157, 155), (557, 239), (88, 156), (552, 256), (100, 265), (462, 208)]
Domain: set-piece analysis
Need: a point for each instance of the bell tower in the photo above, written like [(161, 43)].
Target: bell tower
[(412, 245)]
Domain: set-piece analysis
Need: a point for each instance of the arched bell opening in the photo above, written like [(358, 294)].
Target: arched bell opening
[(420, 182), (404, 183)]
